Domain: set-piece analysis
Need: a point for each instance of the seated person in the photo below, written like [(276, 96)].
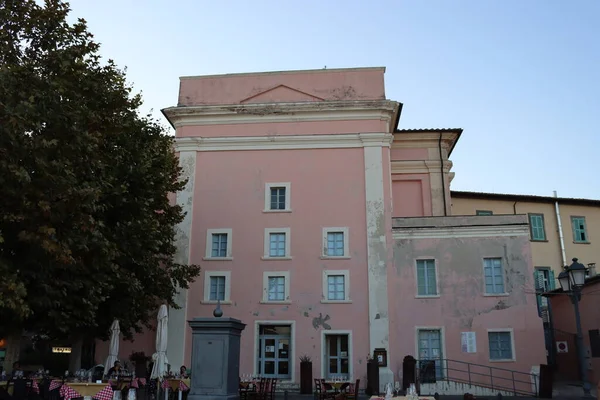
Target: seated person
[(183, 372), (115, 370)]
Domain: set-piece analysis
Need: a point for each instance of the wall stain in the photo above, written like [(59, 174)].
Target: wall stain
[(321, 321)]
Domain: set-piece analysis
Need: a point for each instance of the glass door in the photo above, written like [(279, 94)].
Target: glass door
[(337, 356), (430, 349), (274, 352)]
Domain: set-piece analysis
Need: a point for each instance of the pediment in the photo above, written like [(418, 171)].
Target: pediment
[(281, 94)]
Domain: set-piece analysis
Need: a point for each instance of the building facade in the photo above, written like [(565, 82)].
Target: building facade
[(559, 229), (330, 233)]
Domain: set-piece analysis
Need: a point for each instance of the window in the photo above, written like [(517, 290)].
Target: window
[(336, 284), (276, 287), (277, 244), (544, 282), (218, 244), (426, 278), (277, 197), (536, 227), (484, 212), (594, 342), (493, 275), (335, 243), (337, 355), (501, 345), (579, 230), (217, 286)]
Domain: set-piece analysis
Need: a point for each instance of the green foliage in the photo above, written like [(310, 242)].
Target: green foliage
[(86, 226)]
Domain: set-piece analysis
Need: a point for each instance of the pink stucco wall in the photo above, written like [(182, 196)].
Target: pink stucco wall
[(316, 85), (462, 305), (327, 190), (563, 316)]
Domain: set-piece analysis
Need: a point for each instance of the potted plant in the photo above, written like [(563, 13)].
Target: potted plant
[(140, 359), (372, 376), (306, 385)]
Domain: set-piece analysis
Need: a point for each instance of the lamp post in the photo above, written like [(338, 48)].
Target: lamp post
[(571, 281)]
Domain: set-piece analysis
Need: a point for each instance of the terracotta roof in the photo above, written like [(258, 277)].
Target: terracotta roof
[(457, 131), (524, 197)]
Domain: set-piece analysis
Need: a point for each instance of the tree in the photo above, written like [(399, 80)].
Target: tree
[(86, 225)]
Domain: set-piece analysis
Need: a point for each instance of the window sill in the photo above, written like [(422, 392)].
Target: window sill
[(275, 258), (496, 294), (334, 257), (539, 240), (217, 258), (336, 301), (503, 361), (224, 302), (575, 242), (427, 296), (277, 211), (275, 302)]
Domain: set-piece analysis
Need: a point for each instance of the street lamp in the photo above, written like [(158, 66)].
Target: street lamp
[(571, 281)]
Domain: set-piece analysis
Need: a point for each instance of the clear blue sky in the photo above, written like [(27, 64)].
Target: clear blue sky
[(521, 77)]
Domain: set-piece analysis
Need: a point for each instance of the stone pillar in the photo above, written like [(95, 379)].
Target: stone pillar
[(215, 364)]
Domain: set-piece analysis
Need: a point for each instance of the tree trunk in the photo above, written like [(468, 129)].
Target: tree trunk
[(75, 356), (13, 351)]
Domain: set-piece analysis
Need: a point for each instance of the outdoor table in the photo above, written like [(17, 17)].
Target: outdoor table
[(101, 391), (176, 384), (336, 385)]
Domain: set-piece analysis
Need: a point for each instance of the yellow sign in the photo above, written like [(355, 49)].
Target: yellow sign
[(61, 350)]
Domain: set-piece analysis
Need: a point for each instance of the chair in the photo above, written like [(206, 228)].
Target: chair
[(353, 391), (321, 392)]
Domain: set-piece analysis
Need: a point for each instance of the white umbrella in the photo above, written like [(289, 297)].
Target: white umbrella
[(160, 357), (113, 350)]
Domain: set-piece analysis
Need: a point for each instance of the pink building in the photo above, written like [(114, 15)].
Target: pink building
[(328, 232)]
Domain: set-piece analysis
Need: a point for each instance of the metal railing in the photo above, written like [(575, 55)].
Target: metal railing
[(494, 378)]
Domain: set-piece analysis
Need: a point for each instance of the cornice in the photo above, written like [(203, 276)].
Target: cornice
[(236, 143), (424, 140), (418, 166), (457, 232), (383, 110)]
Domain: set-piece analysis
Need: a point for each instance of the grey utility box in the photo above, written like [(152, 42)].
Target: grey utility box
[(215, 365)]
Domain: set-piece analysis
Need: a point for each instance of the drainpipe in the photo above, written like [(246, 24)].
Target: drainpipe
[(442, 174), (515, 208), (560, 232)]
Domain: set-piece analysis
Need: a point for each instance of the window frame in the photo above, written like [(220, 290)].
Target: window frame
[(214, 274), (288, 194), (209, 235), (267, 244), (273, 274), (511, 332), (325, 294), (587, 236), (499, 294), (529, 217), (437, 287), (324, 248)]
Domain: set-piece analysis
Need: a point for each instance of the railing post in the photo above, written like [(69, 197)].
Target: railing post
[(469, 373), (491, 378), (514, 386)]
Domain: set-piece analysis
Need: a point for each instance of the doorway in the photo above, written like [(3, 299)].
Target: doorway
[(274, 347), (337, 356), (431, 351)]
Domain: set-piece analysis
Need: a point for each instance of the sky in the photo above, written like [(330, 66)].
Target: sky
[(521, 77)]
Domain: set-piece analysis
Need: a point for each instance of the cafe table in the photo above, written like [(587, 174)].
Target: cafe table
[(401, 398), (87, 390), (176, 384)]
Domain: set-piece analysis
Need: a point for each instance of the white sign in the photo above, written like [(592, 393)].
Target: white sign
[(562, 347), (64, 350), (468, 342), (270, 349)]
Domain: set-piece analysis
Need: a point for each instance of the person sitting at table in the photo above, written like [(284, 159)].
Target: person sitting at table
[(115, 369), (16, 369), (183, 372)]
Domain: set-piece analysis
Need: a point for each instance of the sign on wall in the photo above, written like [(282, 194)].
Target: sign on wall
[(562, 347), (63, 350), (468, 342)]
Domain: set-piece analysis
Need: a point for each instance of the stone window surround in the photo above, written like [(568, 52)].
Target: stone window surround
[(210, 274), (208, 252), (333, 272), (288, 195), (265, 296)]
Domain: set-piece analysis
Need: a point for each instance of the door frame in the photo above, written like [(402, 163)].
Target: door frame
[(442, 330), (324, 357), (292, 358)]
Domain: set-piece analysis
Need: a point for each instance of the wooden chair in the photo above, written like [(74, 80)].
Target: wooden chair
[(353, 391)]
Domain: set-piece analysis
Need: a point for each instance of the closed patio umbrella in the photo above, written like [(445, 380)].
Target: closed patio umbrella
[(160, 357), (113, 350)]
